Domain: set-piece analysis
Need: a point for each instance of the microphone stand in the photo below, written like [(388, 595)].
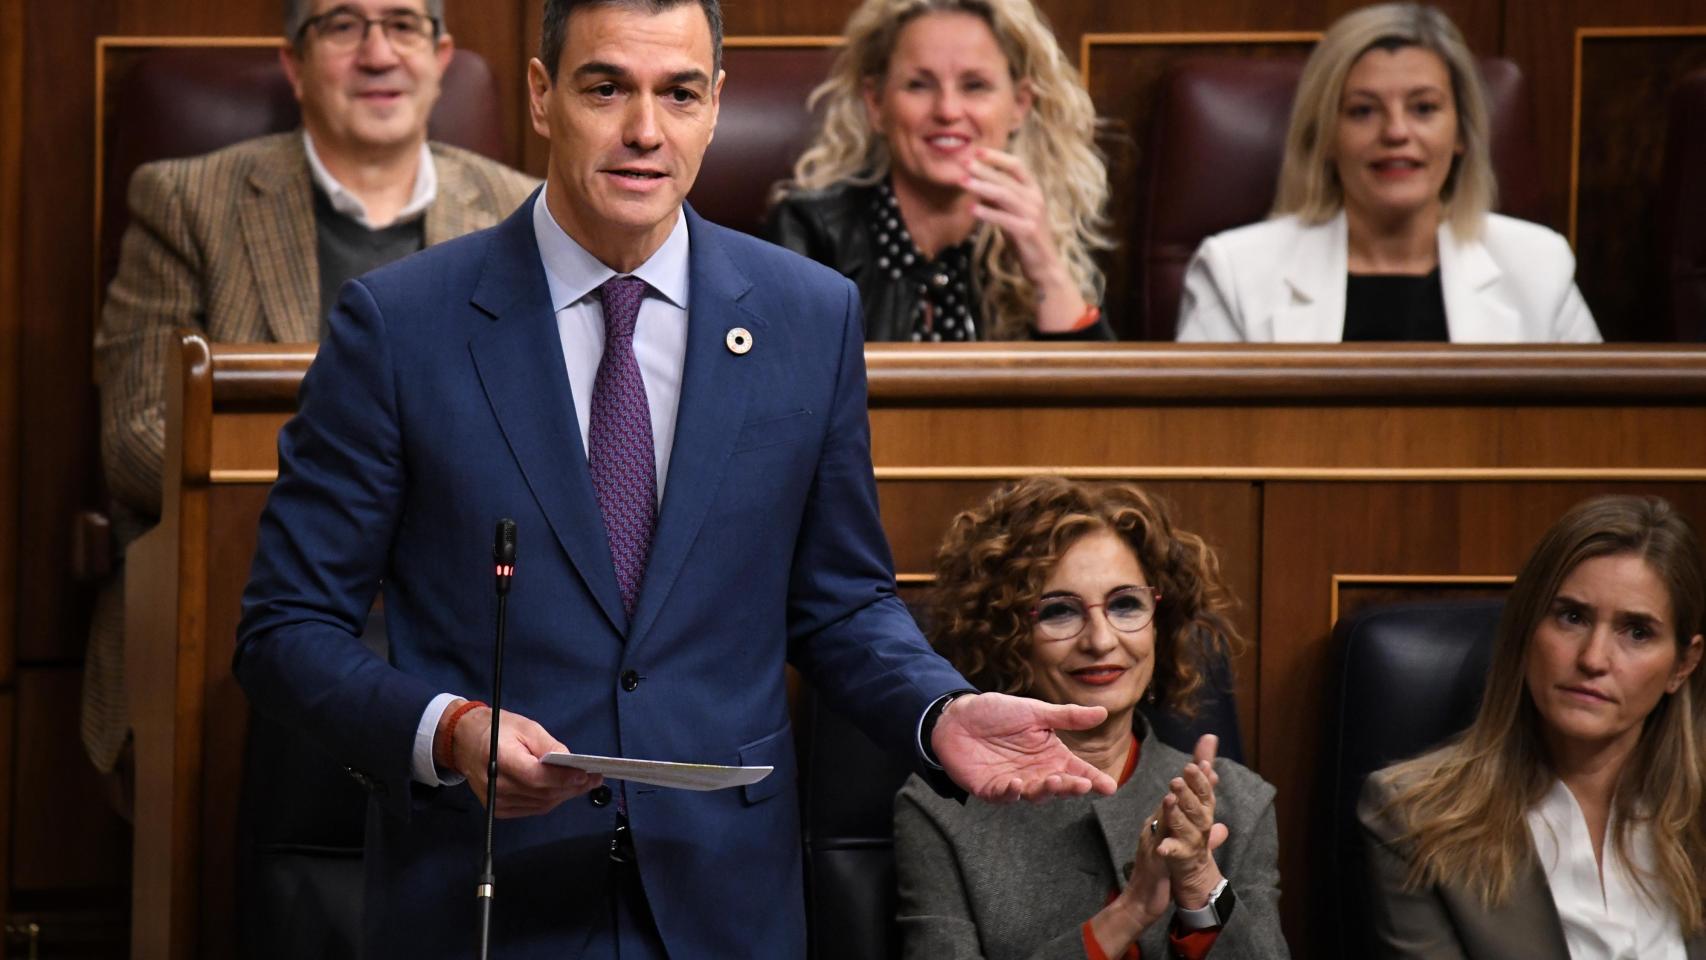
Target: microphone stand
[(503, 555)]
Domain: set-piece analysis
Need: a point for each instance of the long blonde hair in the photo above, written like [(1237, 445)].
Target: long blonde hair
[(1462, 807), (1309, 183), (1056, 141)]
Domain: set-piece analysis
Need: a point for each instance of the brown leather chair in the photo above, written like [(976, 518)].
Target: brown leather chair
[(1212, 155), (1682, 211), (762, 128), (182, 101), (300, 818)]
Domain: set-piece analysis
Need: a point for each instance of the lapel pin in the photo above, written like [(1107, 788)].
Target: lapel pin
[(739, 341)]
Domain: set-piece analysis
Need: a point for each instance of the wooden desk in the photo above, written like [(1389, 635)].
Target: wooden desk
[(1327, 478)]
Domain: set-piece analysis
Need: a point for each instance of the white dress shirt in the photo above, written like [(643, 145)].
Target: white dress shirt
[(1615, 921), (660, 346), (350, 205)]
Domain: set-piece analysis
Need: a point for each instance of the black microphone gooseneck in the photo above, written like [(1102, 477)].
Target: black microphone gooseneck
[(503, 555)]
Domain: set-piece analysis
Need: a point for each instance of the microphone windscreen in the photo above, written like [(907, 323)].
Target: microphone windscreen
[(503, 545)]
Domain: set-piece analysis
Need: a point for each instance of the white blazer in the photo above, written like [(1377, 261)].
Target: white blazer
[(1283, 280)]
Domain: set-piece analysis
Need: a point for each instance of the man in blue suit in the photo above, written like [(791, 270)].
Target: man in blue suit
[(674, 414)]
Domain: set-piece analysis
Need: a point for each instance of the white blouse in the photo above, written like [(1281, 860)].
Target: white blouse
[(1613, 922)]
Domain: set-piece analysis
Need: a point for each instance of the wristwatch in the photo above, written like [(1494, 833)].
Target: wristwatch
[(1211, 915)]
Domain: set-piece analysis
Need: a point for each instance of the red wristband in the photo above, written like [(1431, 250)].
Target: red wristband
[(1087, 319), (441, 748)]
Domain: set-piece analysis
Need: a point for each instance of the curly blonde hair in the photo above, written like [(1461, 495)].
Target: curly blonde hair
[(1056, 142), (996, 557)]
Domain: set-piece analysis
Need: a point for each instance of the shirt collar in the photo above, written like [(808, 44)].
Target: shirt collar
[(573, 274), (350, 205)]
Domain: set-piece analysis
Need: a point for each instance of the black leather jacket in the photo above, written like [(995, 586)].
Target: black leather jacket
[(833, 226)]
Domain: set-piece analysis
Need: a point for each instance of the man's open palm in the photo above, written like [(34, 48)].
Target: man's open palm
[(1000, 748)]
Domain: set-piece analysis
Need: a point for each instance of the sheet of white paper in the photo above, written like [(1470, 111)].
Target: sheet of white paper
[(682, 776)]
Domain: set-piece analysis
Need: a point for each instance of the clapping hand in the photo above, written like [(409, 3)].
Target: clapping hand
[(1190, 833), (1001, 748)]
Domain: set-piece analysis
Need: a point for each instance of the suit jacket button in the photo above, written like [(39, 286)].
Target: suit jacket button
[(599, 796), (630, 681)]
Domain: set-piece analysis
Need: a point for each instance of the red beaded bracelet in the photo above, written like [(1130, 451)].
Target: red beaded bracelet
[(441, 748)]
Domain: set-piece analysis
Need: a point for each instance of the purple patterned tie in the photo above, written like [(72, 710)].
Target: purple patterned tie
[(619, 440)]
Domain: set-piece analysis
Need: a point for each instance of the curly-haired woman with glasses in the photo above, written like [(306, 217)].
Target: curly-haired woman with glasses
[(1088, 594)]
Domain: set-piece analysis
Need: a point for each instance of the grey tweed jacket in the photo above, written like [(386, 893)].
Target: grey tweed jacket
[(1446, 922), (1009, 882), (223, 243)]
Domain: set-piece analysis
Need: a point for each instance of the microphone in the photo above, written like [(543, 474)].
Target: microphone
[(503, 557)]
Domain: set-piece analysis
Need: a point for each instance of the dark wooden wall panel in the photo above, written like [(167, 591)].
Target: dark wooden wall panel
[(11, 199), (1312, 531), (1617, 183), (68, 840), (1541, 38)]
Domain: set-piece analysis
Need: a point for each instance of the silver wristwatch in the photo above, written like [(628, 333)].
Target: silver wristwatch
[(1210, 915)]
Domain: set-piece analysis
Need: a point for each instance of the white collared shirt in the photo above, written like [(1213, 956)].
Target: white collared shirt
[(660, 332), (660, 346), (350, 205), (1615, 921)]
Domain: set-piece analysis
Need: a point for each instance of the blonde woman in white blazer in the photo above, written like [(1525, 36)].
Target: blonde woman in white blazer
[(1381, 229)]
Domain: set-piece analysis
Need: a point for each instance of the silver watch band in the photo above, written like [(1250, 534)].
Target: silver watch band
[(1205, 916)]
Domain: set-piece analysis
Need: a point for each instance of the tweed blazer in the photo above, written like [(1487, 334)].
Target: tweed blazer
[(223, 243), (1446, 922), (1008, 882)]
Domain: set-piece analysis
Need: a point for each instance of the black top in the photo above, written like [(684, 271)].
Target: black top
[(906, 296), (347, 249), (1395, 307)]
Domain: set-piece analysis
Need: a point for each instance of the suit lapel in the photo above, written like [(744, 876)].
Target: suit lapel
[(1532, 915), (712, 407), (1120, 818), (1469, 278), (277, 221), (520, 364), (1314, 278)]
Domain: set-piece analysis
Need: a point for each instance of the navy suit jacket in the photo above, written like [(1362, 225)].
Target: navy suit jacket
[(440, 403)]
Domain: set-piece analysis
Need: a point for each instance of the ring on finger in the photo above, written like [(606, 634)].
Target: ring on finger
[(1155, 826)]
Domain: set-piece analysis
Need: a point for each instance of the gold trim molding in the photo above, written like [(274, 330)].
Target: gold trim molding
[(1285, 474), (1090, 40), (1235, 474), (1341, 580), (1584, 34)]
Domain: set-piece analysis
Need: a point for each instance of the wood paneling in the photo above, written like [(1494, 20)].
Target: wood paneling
[(1614, 208), (67, 839), (1540, 37), (1310, 532), (8, 797), (11, 226)]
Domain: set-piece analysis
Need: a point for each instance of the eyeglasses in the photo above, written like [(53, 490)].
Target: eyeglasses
[(1127, 611), (343, 29)]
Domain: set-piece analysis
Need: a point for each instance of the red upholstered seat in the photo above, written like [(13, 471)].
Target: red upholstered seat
[(182, 101), (1212, 155), (762, 128)]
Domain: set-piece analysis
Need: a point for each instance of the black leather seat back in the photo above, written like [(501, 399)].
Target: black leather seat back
[(1409, 676)]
